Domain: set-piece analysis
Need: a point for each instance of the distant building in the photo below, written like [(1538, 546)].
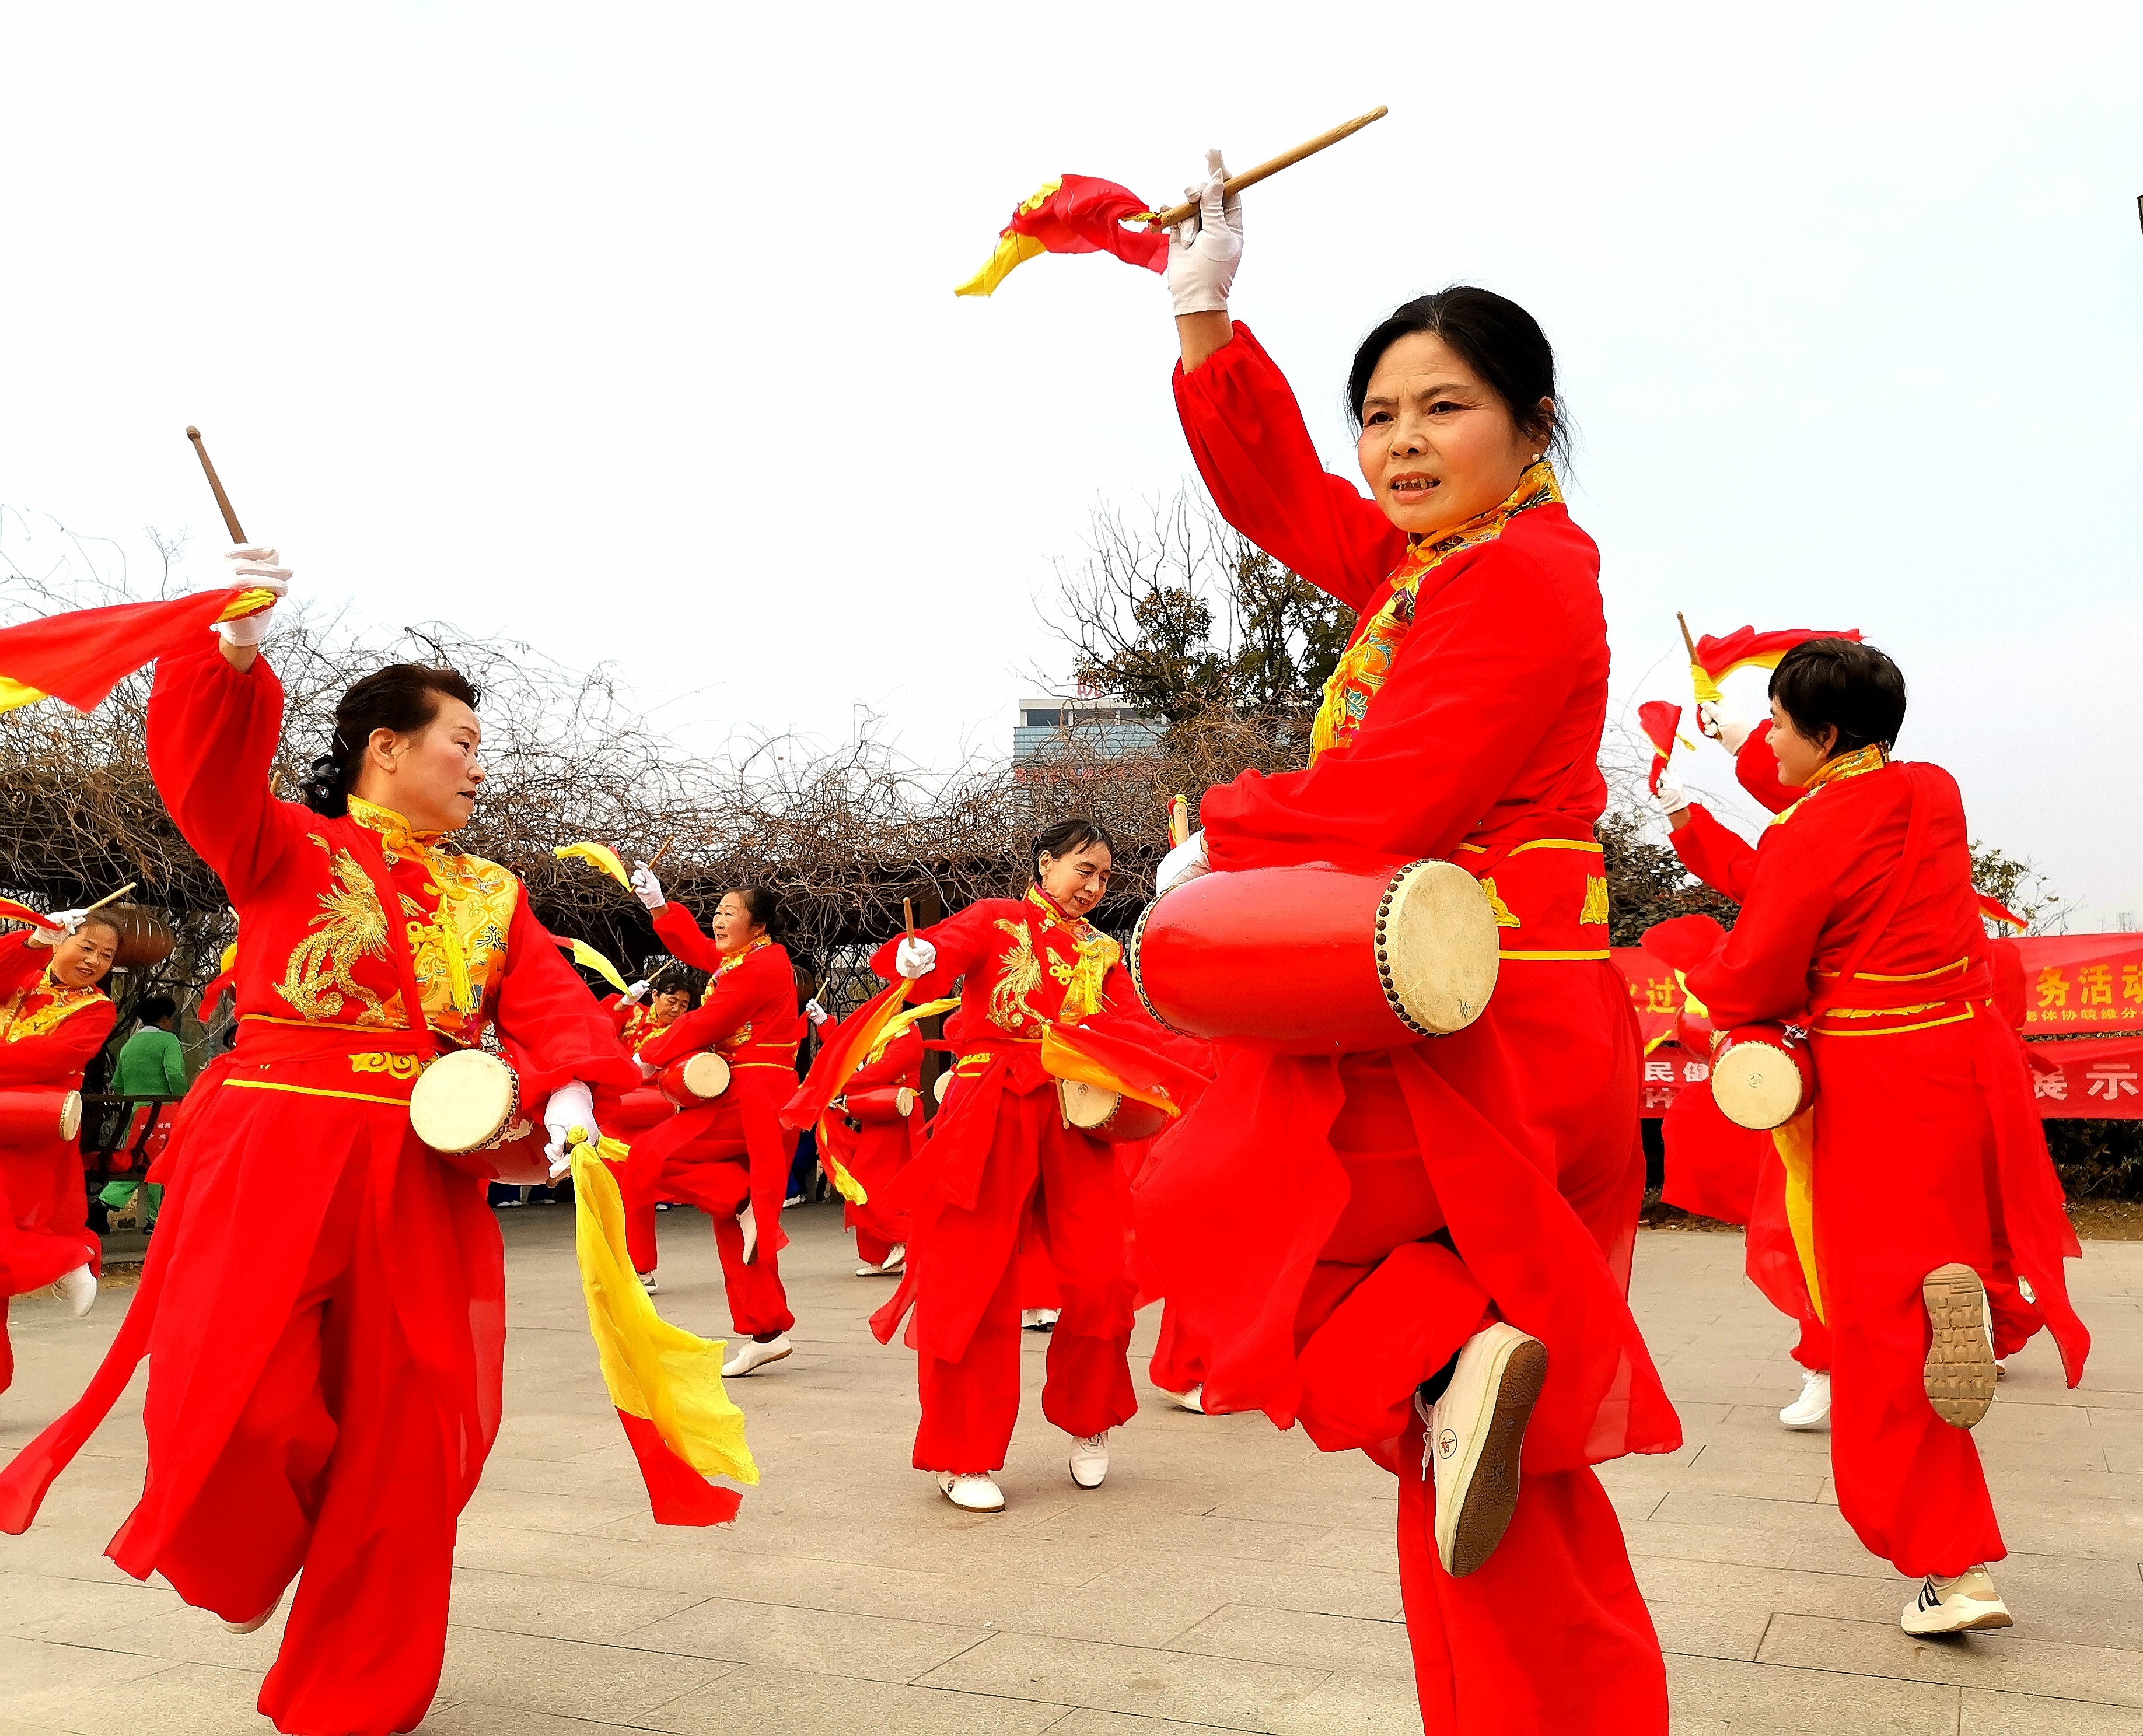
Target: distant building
[(1054, 727)]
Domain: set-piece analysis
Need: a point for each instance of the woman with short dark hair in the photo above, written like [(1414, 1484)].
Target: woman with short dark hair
[(730, 1156), (323, 1304), (1403, 1249), (1859, 921)]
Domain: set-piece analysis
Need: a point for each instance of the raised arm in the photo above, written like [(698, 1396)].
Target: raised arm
[(1483, 674), (212, 730), (752, 991), (680, 933), (961, 940), (1254, 452), (1720, 858)]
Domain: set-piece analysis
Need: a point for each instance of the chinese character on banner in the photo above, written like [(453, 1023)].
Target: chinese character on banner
[(1659, 1072), (1656, 1097), (2109, 1079), (1659, 996), (2131, 982), (2050, 1085), (1695, 1072), (2053, 987), (2096, 982)]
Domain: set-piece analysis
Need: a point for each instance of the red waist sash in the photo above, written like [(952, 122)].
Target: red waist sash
[(351, 1062), (1869, 1003), (1549, 892)]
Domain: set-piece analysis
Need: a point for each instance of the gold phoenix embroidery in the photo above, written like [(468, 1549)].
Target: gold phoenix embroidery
[(1595, 900), (1504, 918), (350, 926), (1019, 974)]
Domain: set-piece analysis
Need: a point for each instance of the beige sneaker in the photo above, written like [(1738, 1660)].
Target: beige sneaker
[(1967, 1603), (1476, 1431), (1959, 1371)]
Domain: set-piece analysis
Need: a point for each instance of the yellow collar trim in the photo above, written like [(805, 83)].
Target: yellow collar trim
[(394, 829), (1857, 764)]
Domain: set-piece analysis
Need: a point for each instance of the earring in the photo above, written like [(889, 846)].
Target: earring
[(1535, 458)]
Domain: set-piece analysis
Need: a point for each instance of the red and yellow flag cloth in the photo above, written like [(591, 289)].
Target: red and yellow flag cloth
[(1716, 659), (80, 656), (11, 912), (1995, 911), (874, 1024), (1076, 213), (1660, 719), (601, 855), (1111, 1063), (666, 1384)]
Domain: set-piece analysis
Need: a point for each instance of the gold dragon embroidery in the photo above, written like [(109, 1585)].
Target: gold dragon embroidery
[(350, 926)]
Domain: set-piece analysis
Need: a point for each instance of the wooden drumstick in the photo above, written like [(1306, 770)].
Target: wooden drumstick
[(216, 483), (1287, 158), (661, 852), (1179, 820), (907, 916), (1686, 639), (110, 896)]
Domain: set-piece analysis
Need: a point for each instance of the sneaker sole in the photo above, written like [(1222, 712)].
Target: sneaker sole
[(1492, 1481), (765, 1361), (1986, 1620), (1959, 1371)]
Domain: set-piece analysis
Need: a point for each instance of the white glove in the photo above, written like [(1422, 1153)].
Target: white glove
[(1722, 723), (637, 991), (813, 1011), (254, 564), (1205, 249), (64, 924), (915, 959), (1669, 798), (1186, 861), (647, 886), (648, 1069), (569, 1117)]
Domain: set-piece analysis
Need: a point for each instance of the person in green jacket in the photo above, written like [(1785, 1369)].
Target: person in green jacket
[(151, 1064)]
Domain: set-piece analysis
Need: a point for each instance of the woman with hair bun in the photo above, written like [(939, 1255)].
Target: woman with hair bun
[(324, 1304), (53, 1019), (1859, 923), (730, 1156), (1001, 1173), (1424, 1252)]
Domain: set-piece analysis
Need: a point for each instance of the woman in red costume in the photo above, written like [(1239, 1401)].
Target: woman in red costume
[(730, 1156), (53, 1018), (326, 1336), (1365, 1241), (1859, 921), (647, 1007), (1001, 1175), (639, 1015)]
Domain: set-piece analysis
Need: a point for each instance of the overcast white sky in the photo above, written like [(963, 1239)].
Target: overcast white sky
[(628, 330)]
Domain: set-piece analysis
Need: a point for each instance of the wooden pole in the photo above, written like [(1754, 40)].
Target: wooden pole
[(215, 482), (661, 852), (1688, 641), (907, 916), (110, 896), (1286, 160)]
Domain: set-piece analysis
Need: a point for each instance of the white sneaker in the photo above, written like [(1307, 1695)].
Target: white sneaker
[(1953, 1606), (1090, 1460), (2002, 1368), (973, 1492), (78, 1291), (1959, 1371), (1194, 1400), (647, 1283), (259, 1622), (752, 1355), (896, 1262), (750, 1226), (1813, 1407), (867, 1270), (1038, 1319), (1475, 1433)]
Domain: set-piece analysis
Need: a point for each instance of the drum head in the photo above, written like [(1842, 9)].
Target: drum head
[(71, 1114), (1087, 1105), (705, 1075), (944, 1085), (905, 1102), (1437, 950), (1757, 1086), (462, 1100)]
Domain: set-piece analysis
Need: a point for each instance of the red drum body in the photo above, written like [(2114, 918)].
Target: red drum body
[(886, 1103), (695, 1080), (38, 1117), (1109, 1116), (640, 1111), (1762, 1075), (1319, 960)]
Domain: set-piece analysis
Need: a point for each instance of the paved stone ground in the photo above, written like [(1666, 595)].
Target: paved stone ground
[(1228, 1576)]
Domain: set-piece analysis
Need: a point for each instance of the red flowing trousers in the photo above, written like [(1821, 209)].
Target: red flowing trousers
[(44, 1226)]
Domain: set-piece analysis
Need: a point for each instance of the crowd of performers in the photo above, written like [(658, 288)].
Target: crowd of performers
[(1420, 1250)]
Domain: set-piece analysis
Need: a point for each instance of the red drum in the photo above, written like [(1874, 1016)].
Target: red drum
[(1109, 1116), (639, 1110), (1319, 960), (32, 1117), (695, 1080), (466, 1107), (886, 1103), (1762, 1075), (944, 1085)]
